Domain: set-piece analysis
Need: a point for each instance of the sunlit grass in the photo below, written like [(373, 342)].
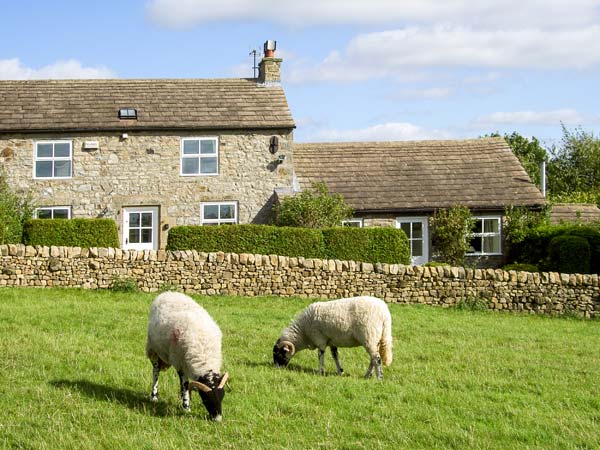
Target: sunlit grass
[(73, 375)]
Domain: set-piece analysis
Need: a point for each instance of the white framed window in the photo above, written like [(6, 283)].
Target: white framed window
[(218, 213), (356, 223), (486, 238), (52, 159), (53, 212), (199, 156)]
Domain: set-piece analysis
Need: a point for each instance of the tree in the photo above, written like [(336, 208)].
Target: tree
[(313, 208), (15, 208), (529, 151), (450, 231)]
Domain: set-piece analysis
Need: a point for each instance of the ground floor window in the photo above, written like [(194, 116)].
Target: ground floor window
[(53, 212), (486, 236), (218, 213), (356, 223)]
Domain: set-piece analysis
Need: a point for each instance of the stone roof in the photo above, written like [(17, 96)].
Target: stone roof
[(418, 175), (574, 213), (50, 105)]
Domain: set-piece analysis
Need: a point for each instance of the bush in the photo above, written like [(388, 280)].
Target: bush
[(450, 230), (261, 239), (521, 267), (124, 285), (15, 209), (71, 232), (385, 245), (569, 254)]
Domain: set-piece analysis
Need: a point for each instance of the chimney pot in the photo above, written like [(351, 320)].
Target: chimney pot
[(269, 48), (269, 67)]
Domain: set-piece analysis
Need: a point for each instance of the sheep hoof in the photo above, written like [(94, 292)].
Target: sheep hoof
[(154, 399)]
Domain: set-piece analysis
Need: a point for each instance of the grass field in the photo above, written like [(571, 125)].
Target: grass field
[(73, 375)]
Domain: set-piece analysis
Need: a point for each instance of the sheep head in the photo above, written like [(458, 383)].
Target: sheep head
[(212, 397), (283, 352)]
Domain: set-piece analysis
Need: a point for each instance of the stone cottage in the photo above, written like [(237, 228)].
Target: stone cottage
[(149, 154), (152, 154)]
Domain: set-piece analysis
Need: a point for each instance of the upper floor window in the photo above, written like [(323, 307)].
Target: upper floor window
[(53, 159), (356, 223), (486, 237), (199, 156), (53, 212), (218, 213)]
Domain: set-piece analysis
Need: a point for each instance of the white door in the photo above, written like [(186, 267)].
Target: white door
[(140, 228), (418, 238)]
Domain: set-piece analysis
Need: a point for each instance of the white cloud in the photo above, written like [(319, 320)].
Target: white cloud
[(13, 69), (553, 117), (391, 131), (298, 13), (433, 93), (391, 54)]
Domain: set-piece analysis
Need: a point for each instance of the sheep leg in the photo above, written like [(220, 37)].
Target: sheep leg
[(334, 353), (155, 373), (185, 392), (375, 364), (322, 362)]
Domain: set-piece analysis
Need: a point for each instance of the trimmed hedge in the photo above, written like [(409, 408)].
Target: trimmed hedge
[(535, 248), (71, 232), (258, 239), (387, 245), (570, 254)]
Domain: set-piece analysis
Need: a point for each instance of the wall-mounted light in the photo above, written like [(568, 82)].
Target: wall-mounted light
[(280, 159), (124, 136), (274, 145)]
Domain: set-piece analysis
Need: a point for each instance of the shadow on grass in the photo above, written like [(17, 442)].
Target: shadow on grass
[(134, 400), (291, 367)]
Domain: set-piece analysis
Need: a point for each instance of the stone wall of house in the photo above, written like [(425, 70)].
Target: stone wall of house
[(144, 170), (251, 275)]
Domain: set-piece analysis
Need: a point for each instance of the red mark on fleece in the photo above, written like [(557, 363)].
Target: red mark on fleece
[(175, 336)]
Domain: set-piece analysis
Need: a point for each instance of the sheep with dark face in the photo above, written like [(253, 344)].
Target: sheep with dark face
[(183, 335), (348, 322)]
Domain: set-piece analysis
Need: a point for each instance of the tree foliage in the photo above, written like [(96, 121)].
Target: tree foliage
[(529, 151), (15, 208), (450, 231), (313, 208)]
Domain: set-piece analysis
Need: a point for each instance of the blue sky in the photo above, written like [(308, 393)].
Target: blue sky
[(353, 70)]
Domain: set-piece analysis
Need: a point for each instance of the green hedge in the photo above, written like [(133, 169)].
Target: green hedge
[(360, 244), (71, 232), (569, 254), (535, 248)]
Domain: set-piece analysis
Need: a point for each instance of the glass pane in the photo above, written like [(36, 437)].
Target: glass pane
[(209, 165), (62, 168), (227, 212), (417, 248), (44, 150), (61, 213), (189, 166), (207, 147), (147, 219), (475, 245), (491, 244), (134, 220), (211, 212), (478, 226), (62, 150), (417, 230), (490, 226), (190, 147), (43, 169), (405, 226), (146, 235), (134, 236), (44, 214), (354, 224)]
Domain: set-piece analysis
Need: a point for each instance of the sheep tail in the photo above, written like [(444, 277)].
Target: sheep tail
[(385, 345)]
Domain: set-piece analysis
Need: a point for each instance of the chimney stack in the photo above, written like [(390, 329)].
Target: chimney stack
[(269, 69)]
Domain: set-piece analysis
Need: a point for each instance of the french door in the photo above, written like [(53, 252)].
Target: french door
[(418, 238), (140, 228)]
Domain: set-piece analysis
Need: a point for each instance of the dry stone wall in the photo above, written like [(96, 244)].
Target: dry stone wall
[(251, 275)]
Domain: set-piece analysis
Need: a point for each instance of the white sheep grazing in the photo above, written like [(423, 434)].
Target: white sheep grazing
[(348, 322), (183, 335)]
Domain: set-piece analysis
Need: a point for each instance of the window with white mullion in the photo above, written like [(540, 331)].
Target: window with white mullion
[(486, 236), (53, 159), (199, 156), (218, 213), (53, 212)]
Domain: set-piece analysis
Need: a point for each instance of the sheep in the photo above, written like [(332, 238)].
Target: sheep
[(183, 335), (347, 322)]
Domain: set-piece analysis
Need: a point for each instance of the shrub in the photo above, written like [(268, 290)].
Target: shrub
[(124, 285), (472, 304), (71, 232), (569, 254), (15, 209), (450, 229), (386, 245), (522, 267), (261, 239)]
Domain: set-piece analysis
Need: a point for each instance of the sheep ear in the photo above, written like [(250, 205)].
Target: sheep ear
[(223, 380), (197, 386)]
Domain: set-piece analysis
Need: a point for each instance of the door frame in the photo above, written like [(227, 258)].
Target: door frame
[(154, 210), (424, 221)]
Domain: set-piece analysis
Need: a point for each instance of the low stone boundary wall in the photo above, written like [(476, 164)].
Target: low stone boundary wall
[(251, 275)]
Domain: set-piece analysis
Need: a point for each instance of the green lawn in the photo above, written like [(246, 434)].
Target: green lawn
[(73, 375)]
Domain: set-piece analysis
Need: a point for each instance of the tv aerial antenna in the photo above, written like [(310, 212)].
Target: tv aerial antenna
[(254, 53)]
